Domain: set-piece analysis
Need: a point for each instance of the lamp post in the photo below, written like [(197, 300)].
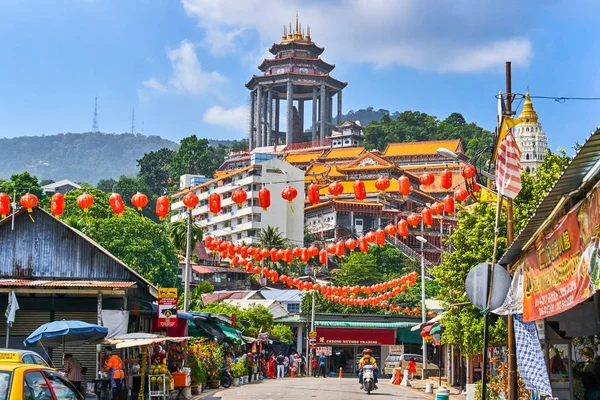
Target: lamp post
[(422, 240)]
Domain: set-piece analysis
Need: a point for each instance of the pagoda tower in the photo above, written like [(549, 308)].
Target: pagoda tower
[(530, 138), (296, 74)]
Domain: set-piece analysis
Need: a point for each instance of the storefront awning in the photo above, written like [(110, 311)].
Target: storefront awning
[(231, 333), (408, 336), (354, 324), (437, 329), (432, 321)]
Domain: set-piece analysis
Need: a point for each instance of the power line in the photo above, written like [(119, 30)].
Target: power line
[(558, 99)]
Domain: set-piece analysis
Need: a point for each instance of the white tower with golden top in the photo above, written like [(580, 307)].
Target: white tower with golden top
[(530, 137)]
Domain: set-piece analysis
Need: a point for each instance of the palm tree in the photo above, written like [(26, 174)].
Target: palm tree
[(178, 234), (271, 238)]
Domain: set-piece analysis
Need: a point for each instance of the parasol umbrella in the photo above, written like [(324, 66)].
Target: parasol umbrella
[(57, 333)]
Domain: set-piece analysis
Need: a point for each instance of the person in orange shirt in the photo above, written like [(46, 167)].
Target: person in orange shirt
[(116, 372), (412, 368)]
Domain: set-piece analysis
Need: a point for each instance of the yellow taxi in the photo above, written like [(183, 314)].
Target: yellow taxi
[(20, 381)]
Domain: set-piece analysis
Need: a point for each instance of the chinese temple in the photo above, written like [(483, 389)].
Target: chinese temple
[(296, 74)]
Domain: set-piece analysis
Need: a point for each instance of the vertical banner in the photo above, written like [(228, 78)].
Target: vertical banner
[(167, 307), (561, 270)]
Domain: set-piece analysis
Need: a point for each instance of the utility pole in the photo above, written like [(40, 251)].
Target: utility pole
[(312, 320), (188, 263), (513, 387)]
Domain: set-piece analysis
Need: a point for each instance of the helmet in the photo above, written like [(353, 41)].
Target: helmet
[(368, 351)]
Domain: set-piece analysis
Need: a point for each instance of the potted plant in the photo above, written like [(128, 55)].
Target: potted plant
[(198, 374), (237, 370)]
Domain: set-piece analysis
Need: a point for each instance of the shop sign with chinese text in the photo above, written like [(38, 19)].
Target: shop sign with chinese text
[(167, 307)]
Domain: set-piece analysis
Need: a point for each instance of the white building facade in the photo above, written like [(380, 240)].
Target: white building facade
[(242, 224), (530, 137)]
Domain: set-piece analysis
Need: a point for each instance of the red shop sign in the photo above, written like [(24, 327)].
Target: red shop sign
[(355, 336)]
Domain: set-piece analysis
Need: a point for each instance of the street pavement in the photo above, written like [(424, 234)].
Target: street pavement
[(312, 388)]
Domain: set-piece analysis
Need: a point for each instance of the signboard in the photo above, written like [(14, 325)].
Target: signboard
[(326, 350), (167, 307), (312, 334), (355, 336), (561, 269), (397, 349)]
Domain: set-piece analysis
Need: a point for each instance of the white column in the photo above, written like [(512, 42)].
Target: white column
[(269, 126), (299, 338)]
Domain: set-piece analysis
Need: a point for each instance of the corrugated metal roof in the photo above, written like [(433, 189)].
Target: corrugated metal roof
[(570, 180), (354, 324), (45, 283), (207, 269), (282, 295)]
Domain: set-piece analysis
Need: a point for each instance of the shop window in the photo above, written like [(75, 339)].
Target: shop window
[(217, 277)]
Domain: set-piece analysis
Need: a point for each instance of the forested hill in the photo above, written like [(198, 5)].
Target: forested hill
[(80, 157)]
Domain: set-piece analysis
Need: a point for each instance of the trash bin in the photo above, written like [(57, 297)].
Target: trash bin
[(442, 393)]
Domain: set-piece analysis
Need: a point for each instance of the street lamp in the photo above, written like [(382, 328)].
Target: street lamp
[(422, 240)]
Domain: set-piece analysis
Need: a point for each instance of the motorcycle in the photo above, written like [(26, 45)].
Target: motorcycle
[(368, 378), (226, 378)]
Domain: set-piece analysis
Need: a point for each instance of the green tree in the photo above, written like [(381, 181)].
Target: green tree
[(106, 185), (20, 184), (155, 170), (197, 156), (270, 237), (282, 333), (239, 145), (178, 234), (258, 316), (196, 303)]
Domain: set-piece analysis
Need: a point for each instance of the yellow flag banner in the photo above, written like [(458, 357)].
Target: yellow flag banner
[(489, 196), (507, 123)]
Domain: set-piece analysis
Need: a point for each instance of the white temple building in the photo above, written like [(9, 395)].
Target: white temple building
[(531, 139)]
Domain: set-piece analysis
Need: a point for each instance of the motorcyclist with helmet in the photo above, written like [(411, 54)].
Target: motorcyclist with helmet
[(367, 359)]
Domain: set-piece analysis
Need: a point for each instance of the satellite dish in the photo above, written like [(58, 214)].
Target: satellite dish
[(477, 284)]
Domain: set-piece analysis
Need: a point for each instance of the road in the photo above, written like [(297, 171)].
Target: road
[(311, 388)]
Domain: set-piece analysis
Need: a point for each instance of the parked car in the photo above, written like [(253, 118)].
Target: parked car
[(23, 356), (20, 381), (401, 361)]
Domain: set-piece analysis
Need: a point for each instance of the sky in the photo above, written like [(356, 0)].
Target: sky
[(183, 64)]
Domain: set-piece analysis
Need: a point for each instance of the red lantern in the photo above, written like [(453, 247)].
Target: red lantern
[(249, 267), (139, 200), (427, 217), (404, 186), (391, 230), (162, 207), (214, 203), (239, 197), (446, 179), (116, 203), (323, 257), (360, 193), (335, 189), (4, 205), (430, 314), (57, 204), (468, 172), (289, 193), (190, 200), (313, 251), (437, 208), (305, 255), (382, 184), (264, 198), (340, 249), (461, 194), (449, 205), (476, 187), (427, 179), (363, 245), (380, 237), (85, 201), (312, 193), (274, 255), (370, 236), (331, 248), (414, 220), (403, 228), (351, 244), (28, 201)]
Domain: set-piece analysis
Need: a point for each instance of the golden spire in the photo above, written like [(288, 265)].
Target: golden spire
[(297, 30), (290, 36), (528, 114), (308, 32), (284, 33)]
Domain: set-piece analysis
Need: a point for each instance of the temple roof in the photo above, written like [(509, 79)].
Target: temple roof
[(528, 114), (302, 79), (421, 148), (296, 60), (344, 152), (303, 157)]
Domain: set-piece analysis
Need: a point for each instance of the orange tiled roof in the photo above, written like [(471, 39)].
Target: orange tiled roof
[(344, 152), (420, 148), (303, 157)]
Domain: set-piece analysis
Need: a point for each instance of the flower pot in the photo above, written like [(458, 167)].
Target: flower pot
[(246, 379), (214, 384), (236, 381), (202, 387), (196, 389)]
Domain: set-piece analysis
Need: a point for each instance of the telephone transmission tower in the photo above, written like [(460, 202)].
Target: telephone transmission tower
[(95, 122), (133, 120)]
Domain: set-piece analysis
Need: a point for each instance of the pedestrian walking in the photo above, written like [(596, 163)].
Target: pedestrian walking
[(412, 368), (322, 362), (280, 365), (314, 367), (72, 368), (271, 373)]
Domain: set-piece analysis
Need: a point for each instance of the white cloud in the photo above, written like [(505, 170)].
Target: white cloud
[(441, 35), (234, 118), (187, 76)]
